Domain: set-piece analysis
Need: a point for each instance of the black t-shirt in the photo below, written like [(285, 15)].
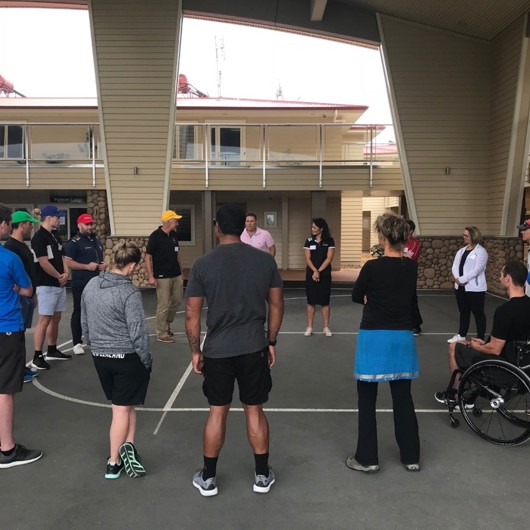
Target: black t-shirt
[(319, 253), (164, 249), (85, 249), (511, 320), (50, 245), (26, 255), (389, 285), (234, 279)]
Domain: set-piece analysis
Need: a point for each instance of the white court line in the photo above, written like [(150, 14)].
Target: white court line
[(173, 396)]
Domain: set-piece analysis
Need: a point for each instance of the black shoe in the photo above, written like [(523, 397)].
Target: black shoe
[(131, 460), (113, 470), (416, 331), (39, 363), (58, 355), (444, 399), (19, 457)]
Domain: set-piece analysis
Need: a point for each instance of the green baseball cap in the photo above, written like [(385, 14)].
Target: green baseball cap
[(22, 216)]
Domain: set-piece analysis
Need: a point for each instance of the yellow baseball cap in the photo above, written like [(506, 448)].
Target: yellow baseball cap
[(170, 214)]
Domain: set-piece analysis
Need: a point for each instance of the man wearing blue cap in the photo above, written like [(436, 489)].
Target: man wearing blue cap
[(52, 275)]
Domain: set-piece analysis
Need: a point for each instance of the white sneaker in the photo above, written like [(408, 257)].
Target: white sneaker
[(78, 349), (455, 338), (308, 332), (327, 332)]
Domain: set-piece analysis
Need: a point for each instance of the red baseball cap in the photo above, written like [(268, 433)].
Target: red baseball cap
[(85, 218)]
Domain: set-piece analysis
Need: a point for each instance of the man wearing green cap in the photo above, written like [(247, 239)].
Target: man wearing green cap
[(22, 224)]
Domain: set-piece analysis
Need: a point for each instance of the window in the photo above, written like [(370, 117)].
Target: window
[(186, 147), (11, 142), (186, 228), (225, 146)]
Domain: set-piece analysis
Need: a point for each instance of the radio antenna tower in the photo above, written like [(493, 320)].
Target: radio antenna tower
[(219, 56)]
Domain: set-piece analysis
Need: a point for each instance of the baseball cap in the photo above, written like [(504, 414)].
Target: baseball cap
[(170, 214), (524, 226), (85, 218), (22, 216), (51, 211)]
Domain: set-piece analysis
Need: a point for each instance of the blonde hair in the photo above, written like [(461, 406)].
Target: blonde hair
[(126, 253), (393, 228), (474, 235)]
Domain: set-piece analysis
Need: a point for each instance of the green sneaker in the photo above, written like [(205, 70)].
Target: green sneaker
[(131, 461), (113, 470)]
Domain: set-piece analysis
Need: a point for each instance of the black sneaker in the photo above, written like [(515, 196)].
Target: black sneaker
[(19, 457), (444, 399), (39, 363), (58, 355), (416, 332), (113, 470), (131, 460)]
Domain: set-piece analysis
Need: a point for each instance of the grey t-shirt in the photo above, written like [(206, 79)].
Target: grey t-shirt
[(234, 279)]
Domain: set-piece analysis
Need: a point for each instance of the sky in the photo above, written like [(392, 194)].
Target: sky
[(48, 53)]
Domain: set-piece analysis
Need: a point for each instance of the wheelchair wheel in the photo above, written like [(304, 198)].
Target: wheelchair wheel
[(501, 395)]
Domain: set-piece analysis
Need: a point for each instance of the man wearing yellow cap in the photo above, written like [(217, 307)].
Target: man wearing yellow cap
[(165, 273)]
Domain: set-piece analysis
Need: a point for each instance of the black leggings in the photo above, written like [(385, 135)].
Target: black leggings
[(405, 423), (471, 302)]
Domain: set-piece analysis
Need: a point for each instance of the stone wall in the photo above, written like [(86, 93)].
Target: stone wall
[(437, 255)]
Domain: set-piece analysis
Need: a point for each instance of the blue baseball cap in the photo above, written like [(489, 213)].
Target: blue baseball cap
[(51, 211)]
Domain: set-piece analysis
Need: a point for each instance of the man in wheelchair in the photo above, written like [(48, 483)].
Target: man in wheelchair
[(511, 322)]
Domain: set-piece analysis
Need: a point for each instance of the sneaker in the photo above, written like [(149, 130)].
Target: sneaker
[(19, 457), (169, 332), (39, 363), (353, 464), (58, 355), (113, 470), (131, 460), (207, 488), (455, 338), (78, 349), (262, 484), (29, 375), (442, 398), (327, 332), (166, 337), (416, 332), (412, 467), (308, 332)]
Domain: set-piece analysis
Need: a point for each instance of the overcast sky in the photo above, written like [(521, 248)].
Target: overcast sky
[(48, 53)]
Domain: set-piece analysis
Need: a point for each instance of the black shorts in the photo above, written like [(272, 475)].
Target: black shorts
[(465, 356), (12, 359), (251, 371), (124, 381)]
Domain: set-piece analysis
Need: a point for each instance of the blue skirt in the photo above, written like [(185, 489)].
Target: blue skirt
[(385, 355)]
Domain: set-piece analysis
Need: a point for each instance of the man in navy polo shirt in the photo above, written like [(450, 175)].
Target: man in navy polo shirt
[(164, 272), (13, 281), (84, 254)]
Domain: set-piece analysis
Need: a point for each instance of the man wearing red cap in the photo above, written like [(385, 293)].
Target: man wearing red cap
[(165, 273), (84, 253)]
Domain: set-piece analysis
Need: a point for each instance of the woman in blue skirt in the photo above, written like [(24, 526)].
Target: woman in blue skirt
[(386, 350)]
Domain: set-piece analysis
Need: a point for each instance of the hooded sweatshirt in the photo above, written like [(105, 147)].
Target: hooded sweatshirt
[(113, 319)]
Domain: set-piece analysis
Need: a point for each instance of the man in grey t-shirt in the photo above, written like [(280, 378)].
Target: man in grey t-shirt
[(237, 282)]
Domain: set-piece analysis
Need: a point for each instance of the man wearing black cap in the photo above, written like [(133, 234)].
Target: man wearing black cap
[(525, 235), (236, 345), (52, 275), (84, 254)]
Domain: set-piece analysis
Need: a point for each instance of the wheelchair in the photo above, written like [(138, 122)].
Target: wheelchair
[(493, 396)]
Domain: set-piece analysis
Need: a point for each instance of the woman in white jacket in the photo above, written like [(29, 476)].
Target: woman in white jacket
[(469, 276)]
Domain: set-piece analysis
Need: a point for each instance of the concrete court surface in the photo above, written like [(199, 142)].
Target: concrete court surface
[(465, 482)]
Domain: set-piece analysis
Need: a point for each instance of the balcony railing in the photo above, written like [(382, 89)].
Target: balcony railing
[(213, 146)]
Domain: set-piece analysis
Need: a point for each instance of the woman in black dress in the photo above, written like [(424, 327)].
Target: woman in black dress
[(319, 250)]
